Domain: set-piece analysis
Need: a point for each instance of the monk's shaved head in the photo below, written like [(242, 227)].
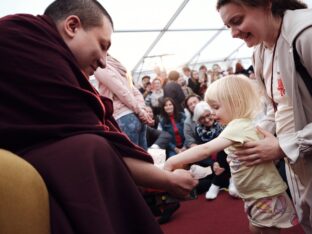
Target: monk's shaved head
[(90, 12)]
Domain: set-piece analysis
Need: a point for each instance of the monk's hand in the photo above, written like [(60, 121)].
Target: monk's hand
[(264, 150), (181, 183)]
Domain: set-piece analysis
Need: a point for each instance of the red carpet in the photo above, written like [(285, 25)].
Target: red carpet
[(225, 215)]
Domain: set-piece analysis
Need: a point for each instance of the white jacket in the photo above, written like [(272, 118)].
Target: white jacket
[(298, 145)]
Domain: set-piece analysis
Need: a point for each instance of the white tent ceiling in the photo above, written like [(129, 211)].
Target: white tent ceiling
[(167, 34)]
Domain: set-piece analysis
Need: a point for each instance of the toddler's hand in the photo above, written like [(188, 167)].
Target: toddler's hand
[(168, 166), (172, 163)]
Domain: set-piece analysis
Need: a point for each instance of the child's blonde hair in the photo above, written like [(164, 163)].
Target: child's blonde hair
[(237, 94)]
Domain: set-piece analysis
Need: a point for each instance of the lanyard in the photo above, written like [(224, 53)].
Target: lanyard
[(273, 57)]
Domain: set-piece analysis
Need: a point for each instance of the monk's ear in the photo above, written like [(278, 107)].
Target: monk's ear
[(71, 25)]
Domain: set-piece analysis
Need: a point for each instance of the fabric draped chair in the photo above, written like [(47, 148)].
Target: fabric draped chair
[(24, 200)]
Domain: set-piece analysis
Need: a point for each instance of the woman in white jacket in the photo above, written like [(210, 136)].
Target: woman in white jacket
[(129, 106), (272, 26)]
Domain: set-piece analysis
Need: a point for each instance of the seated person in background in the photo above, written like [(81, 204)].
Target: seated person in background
[(203, 79), (148, 93), (156, 139), (186, 90), (239, 69), (193, 82), (186, 73), (52, 117), (172, 122), (154, 118), (157, 96), (145, 80), (189, 124)]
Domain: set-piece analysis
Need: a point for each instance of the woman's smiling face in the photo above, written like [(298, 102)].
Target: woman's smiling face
[(247, 23), (206, 119), (169, 108)]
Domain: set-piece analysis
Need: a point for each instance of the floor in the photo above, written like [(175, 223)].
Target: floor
[(224, 215)]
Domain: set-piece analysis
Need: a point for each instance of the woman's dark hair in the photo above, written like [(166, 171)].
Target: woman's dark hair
[(192, 74), (164, 114), (188, 98), (90, 12), (278, 6)]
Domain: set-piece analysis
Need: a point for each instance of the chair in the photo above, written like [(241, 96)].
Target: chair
[(24, 201)]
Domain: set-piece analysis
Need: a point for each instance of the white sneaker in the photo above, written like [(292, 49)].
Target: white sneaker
[(232, 189), (212, 193)]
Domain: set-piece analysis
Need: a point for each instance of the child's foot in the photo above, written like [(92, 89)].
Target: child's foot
[(212, 192), (232, 189)]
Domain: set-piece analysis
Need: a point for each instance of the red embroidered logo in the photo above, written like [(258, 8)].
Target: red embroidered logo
[(280, 86)]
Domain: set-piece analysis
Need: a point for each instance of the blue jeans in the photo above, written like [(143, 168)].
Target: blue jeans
[(135, 130)]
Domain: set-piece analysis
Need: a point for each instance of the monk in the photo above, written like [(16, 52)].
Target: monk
[(51, 116)]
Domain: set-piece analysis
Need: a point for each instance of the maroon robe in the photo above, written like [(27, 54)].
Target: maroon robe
[(51, 116)]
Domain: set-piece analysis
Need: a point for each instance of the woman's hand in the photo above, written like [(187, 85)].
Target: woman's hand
[(264, 150), (144, 117)]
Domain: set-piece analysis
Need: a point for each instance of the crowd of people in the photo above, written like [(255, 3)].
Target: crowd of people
[(173, 98), (157, 114), (167, 112), (90, 146)]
